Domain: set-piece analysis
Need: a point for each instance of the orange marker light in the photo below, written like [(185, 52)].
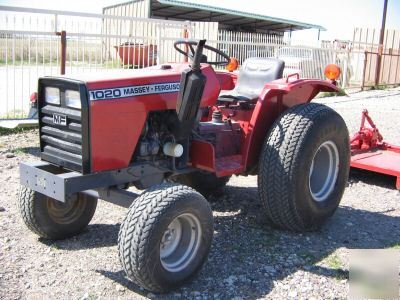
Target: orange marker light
[(233, 64), (332, 71)]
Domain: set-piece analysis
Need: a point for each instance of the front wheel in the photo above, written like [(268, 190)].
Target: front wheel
[(165, 237), (304, 166), (52, 219)]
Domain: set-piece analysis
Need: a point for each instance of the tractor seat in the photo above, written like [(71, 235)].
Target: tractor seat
[(253, 75)]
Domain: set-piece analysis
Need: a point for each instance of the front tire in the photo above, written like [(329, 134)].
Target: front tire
[(165, 237), (52, 219), (304, 167)]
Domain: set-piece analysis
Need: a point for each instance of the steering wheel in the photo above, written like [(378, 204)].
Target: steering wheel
[(191, 43)]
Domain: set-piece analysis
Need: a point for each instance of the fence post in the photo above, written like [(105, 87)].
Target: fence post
[(364, 70), (346, 68), (63, 35), (380, 47)]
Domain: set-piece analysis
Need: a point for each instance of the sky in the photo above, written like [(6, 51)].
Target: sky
[(339, 17)]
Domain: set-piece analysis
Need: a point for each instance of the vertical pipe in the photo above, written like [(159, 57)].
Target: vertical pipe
[(63, 51), (380, 47), (7, 77)]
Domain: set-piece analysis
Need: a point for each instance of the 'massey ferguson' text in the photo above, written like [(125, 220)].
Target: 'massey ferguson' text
[(132, 91)]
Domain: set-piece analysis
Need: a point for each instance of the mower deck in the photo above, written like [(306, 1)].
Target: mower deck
[(370, 152), (378, 160)]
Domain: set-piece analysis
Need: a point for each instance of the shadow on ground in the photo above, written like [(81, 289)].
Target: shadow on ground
[(35, 151), (247, 255), (373, 178), (94, 236)]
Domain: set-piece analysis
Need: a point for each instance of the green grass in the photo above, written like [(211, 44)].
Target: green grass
[(54, 246), (333, 261), (15, 114), (26, 62), (20, 151), (116, 64), (395, 246), (380, 87), (332, 94), (6, 131)]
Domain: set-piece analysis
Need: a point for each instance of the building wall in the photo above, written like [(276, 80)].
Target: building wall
[(134, 8)]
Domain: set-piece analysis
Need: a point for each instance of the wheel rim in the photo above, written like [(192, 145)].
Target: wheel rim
[(180, 242), (324, 171), (65, 212)]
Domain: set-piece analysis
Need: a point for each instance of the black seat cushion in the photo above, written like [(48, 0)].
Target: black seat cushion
[(253, 75)]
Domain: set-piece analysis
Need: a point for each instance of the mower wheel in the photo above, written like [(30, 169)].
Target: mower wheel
[(204, 182), (165, 237), (304, 166), (52, 219)]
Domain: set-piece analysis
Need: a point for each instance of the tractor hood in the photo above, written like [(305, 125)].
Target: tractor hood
[(109, 76), (156, 80)]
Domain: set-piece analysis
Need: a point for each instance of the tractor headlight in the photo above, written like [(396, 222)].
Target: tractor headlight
[(52, 95), (72, 99)]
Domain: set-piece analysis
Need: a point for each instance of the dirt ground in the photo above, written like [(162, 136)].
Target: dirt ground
[(248, 258)]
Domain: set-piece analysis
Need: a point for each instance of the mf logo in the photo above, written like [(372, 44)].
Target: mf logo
[(60, 119)]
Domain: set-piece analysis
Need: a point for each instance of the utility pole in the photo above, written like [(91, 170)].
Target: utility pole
[(380, 46)]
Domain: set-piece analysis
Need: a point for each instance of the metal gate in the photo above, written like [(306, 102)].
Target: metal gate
[(36, 43)]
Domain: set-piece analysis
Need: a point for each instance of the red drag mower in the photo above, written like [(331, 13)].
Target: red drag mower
[(370, 152), (179, 131)]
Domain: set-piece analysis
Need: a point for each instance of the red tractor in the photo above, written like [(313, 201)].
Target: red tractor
[(170, 131)]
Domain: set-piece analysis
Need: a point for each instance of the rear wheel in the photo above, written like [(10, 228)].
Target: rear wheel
[(204, 182), (304, 167), (165, 237), (52, 219)]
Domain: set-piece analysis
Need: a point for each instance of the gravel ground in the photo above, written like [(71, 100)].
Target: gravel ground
[(248, 259)]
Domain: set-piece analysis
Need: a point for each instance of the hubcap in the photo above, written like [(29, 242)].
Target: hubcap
[(180, 242), (324, 171), (67, 212)]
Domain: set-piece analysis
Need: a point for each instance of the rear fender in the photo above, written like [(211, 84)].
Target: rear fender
[(277, 96)]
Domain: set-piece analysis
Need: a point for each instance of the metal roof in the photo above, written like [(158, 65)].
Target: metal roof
[(229, 18)]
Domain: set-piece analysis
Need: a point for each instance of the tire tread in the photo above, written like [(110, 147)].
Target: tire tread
[(136, 229), (279, 157)]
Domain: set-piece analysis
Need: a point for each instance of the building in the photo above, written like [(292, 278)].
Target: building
[(227, 19)]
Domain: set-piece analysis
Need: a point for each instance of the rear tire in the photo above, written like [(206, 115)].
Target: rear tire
[(204, 182), (165, 237), (304, 167), (52, 219)]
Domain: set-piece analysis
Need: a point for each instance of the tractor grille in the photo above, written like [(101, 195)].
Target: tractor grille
[(59, 142), (64, 130)]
